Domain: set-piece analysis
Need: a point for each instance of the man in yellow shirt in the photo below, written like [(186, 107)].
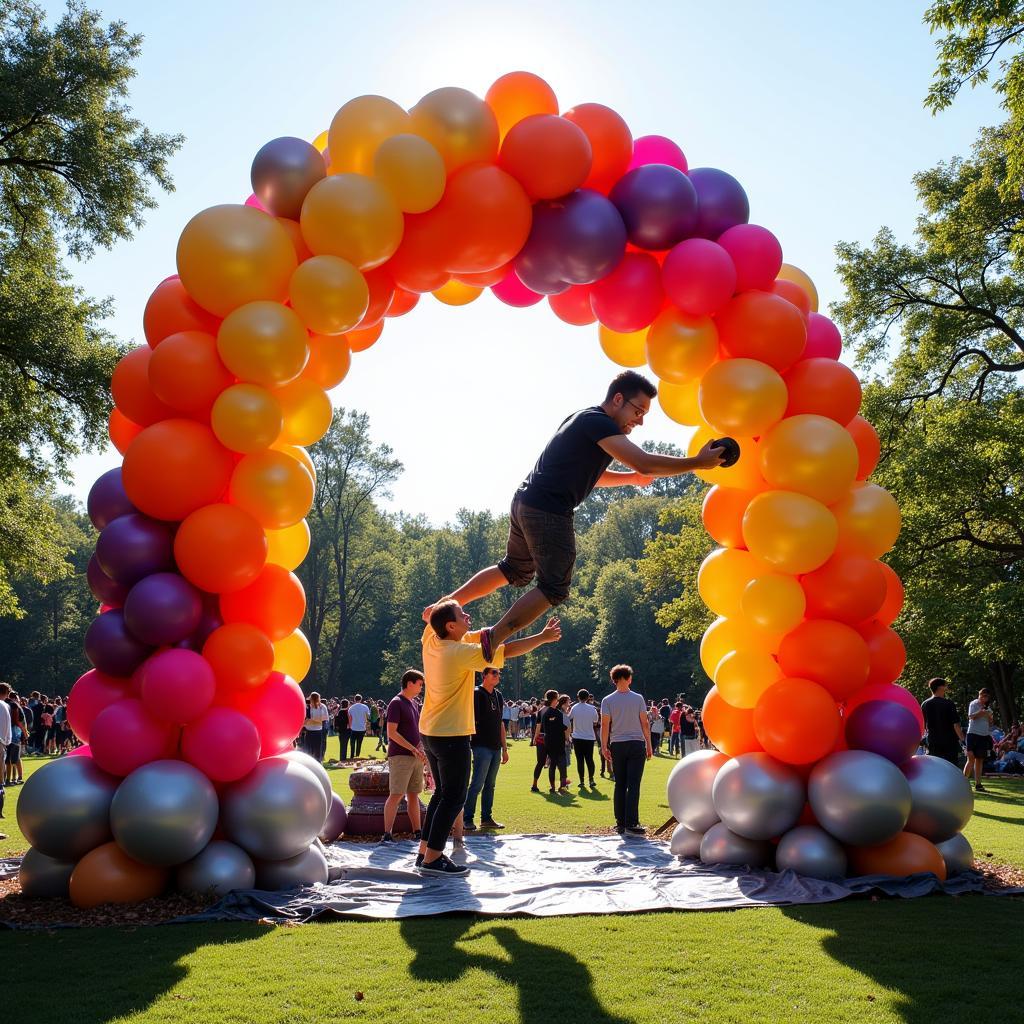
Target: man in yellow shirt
[(451, 658)]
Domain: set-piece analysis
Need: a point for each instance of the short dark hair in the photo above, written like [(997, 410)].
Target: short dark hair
[(934, 684), (4, 689), (583, 695), (550, 695), (621, 672), (442, 614), (984, 692), (411, 675), (630, 383)]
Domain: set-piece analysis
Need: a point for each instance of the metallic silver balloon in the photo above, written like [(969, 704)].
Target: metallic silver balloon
[(301, 757), (720, 846), (219, 869), (689, 789), (757, 796), (276, 811), (308, 868), (64, 807), (337, 817), (44, 877), (859, 797), (685, 842), (958, 855), (283, 171), (941, 801), (164, 813), (811, 851)]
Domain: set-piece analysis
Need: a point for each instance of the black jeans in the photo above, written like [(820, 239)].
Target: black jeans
[(584, 751), (451, 762), (628, 760), (316, 743), (344, 735), (356, 737)]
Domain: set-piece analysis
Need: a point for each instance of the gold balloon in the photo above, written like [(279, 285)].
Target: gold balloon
[(359, 128), (745, 475), (292, 656), (288, 547), (724, 636), (681, 347), (869, 521), (742, 396), (307, 412), (455, 293), (320, 142), (263, 343), (246, 418), (412, 170), (679, 402), (329, 295), (273, 488), (742, 676), (299, 454), (773, 602), (797, 276), (724, 575), (792, 532), (810, 454), (460, 126), (624, 349)]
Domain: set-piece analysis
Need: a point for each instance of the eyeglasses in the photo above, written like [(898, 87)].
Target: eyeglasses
[(639, 408)]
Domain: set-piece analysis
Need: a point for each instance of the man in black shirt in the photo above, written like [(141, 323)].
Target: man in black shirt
[(541, 538), (490, 751), (942, 720)]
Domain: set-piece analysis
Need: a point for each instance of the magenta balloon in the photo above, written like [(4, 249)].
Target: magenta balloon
[(123, 737), (83, 751), (134, 546), (163, 609), (886, 691), (884, 728), (721, 201), (698, 276), (278, 708), (756, 254), (112, 647), (107, 499), (224, 744), (630, 297), (658, 205), (513, 292), (176, 686), (823, 338), (104, 589), (656, 149), (91, 693)]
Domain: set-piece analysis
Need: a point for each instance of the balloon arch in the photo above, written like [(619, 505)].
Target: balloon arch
[(197, 650)]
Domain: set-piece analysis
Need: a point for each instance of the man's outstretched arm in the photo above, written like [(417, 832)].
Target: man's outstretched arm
[(551, 633), (648, 464)]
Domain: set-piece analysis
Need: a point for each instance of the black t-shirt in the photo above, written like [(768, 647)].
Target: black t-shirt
[(571, 464), (940, 715), (552, 724), (688, 729), (487, 715)]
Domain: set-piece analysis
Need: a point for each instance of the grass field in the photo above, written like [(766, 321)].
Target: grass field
[(877, 961)]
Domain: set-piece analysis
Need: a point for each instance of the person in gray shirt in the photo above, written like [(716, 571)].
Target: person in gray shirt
[(626, 743)]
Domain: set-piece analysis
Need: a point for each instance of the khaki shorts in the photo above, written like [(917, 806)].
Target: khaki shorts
[(406, 774)]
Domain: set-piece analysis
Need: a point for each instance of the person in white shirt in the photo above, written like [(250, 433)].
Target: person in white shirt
[(979, 737), (316, 727), (5, 740), (583, 717), (358, 719), (514, 720)]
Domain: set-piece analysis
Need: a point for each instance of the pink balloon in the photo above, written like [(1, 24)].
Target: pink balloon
[(513, 292), (254, 201), (885, 691), (573, 306), (278, 708), (123, 737), (93, 692), (176, 685), (756, 253), (823, 338), (698, 276), (83, 751), (223, 744), (630, 297), (656, 149)]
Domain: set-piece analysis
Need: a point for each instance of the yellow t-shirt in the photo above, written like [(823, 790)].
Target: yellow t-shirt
[(448, 671)]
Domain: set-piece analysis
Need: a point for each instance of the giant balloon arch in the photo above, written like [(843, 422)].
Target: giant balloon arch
[(190, 710)]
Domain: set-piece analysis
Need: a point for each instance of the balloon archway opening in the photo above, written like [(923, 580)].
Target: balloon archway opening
[(198, 651)]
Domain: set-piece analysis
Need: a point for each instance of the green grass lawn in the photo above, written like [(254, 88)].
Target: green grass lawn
[(876, 961)]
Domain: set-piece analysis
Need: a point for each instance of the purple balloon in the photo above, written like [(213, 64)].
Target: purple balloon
[(163, 609), (105, 590), (111, 647), (883, 727), (208, 622), (283, 171), (107, 499), (658, 204), (721, 202), (134, 546)]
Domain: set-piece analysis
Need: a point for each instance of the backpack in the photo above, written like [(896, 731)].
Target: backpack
[(47, 720)]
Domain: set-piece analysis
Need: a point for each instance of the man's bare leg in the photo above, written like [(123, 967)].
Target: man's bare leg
[(530, 607), (485, 582)]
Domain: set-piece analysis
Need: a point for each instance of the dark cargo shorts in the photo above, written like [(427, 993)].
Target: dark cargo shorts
[(541, 544)]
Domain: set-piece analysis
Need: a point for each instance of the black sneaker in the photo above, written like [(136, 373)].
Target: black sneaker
[(534, 789), (636, 830), (469, 826), (491, 823), (386, 838), (620, 829), (417, 835), (419, 860), (443, 866)]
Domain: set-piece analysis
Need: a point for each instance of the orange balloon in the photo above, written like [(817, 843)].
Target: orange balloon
[(823, 387), (869, 447), (886, 652), (294, 229), (420, 263), (108, 875), (460, 126), (300, 455), (907, 854), (624, 349), (240, 655), (548, 155), (273, 488), (186, 373), (869, 520), (724, 636), (403, 302), (811, 455), (360, 341), (329, 295), (681, 347), (121, 430), (797, 276), (679, 402), (382, 291), (455, 293), (412, 170), (797, 721), (759, 325), (263, 343), (828, 653), (722, 578), (133, 393), (792, 532), (722, 513), (742, 676), (329, 361), (174, 467), (745, 475), (517, 95), (893, 603), (307, 411), (246, 418), (848, 588), (610, 142), (220, 548), (274, 603), (171, 309), (793, 293), (730, 729), (358, 129), (741, 396), (774, 603)]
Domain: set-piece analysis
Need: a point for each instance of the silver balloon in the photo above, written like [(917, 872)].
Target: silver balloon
[(757, 796), (308, 868), (720, 846), (276, 811), (689, 789), (44, 877), (859, 797), (957, 853), (220, 868), (941, 801), (64, 807), (811, 851), (164, 813), (283, 171), (685, 842), (301, 757), (337, 817)]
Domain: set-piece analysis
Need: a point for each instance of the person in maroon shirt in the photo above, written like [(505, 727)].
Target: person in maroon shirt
[(405, 757)]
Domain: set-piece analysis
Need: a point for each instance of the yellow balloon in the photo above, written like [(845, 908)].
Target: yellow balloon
[(773, 602), (455, 293), (273, 488), (353, 217), (263, 343), (745, 475), (412, 170), (329, 361), (742, 396), (742, 676), (681, 347), (460, 126), (724, 575), (292, 656), (307, 412), (230, 255), (320, 142), (724, 636), (624, 349), (357, 130), (810, 454), (679, 402), (246, 418), (329, 295), (869, 521), (790, 531), (288, 547), (797, 276), (299, 454)]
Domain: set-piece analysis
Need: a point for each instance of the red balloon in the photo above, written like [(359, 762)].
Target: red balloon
[(885, 691), (278, 710), (274, 603), (887, 654), (93, 692), (823, 387), (797, 721), (792, 292), (630, 297), (823, 338), (699, 276), (486, 278), (826, 652), (610, 141), (573, 306), (893, 603), (240, 655), (171, 309), (133, 393), (420, 262), (382, 291), (730, 729), (548, 155), (758, 325), (224, 744), (848, 588), (176, 685), (869, 448), (756, 255), (121, 430), (402, 302), (124, 737)]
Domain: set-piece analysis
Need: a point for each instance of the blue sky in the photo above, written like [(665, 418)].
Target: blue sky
[(815, 108)]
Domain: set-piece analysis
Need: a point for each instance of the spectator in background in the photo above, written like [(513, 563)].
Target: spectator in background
[(675, 738), (405, 755), (583, 717), (657, 728), (688, 731), (343, 729), (979, 737), (490, 750), (942, 722), (626, 740), (316, 727), (358, 721), (5, 740), (550, 740), (35, 742), (15, 771), (513, 721)]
